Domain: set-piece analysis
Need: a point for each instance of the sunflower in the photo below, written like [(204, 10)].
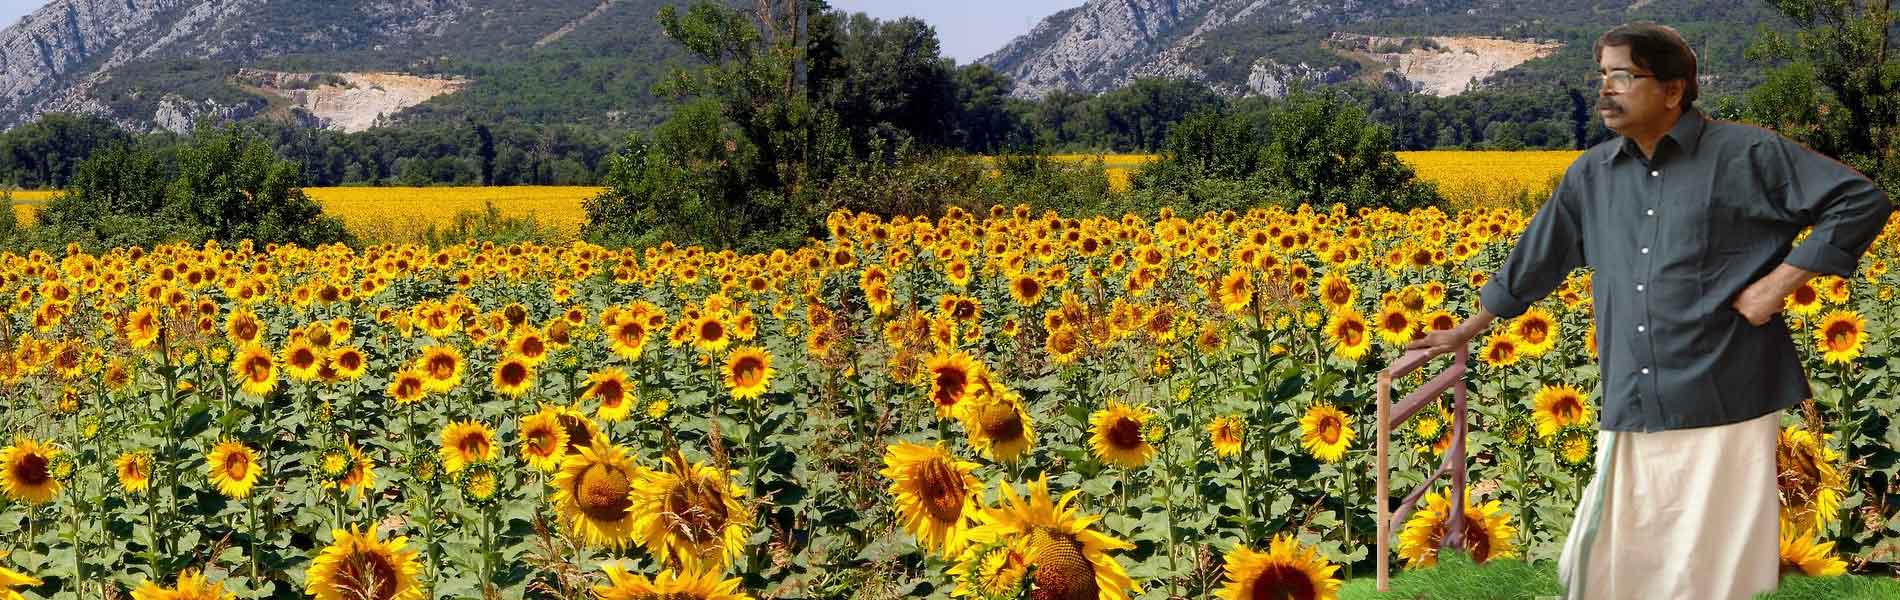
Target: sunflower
[(255, 370), (748, 372), (465, 442), (1839, 336), (669, 585), (361, 473), (1226, 433), (1805, 300), (407, 387), (1063, 344), (613, 391), (999, 425), (1118, 439), (692, 514), (1801, 552), (530, 345), (358, 566), (593, 494), (1487, 531), (233, 468), (951, 375), (135, 471), (1336, 291), (513, 376), (1395, 326), (1069, 560), (1559, 406), (1501, 350), (710, 333), (302, 359), (580, 430), (1808, 474), (1347, 332), (10, 579), (1575, 445), (1026, 289), (1236, 290), (348, 363), (1325, 433), (441, 368), (995, 570), (141, 327), (628, 336), (242, 326), (29, 475), (1288, 569), (935, 494), (543, 441), (1535, 331), (191, 585)]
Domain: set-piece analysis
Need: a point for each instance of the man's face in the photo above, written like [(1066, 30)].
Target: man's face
[(1645, 104)]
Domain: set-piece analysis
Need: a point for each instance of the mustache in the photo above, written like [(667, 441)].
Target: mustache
[(1603, 103)]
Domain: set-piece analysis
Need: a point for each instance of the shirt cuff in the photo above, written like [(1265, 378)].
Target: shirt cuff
[(1500, 301), (1818, 256)]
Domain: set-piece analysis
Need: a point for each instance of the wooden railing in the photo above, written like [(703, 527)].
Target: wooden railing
[(1389, 416)]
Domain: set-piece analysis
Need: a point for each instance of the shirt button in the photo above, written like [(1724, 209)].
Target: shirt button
[(1639, 287), (1645, 370), (1640, 329), (1650, 212), (1645, 250), (1654, 173)]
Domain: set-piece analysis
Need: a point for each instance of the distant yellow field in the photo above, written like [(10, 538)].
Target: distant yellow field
[(403, 213), (1467, 177)]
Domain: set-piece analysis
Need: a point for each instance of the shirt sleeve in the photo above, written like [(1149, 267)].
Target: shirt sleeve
[(1549, 248), (1847, 211)]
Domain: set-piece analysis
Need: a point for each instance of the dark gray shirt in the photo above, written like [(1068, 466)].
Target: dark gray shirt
[(1673, 240)]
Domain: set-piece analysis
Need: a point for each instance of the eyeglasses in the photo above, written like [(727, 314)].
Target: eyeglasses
[(1620, 81)]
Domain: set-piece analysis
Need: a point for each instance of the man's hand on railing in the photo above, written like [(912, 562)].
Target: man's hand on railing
[(1440, 342)]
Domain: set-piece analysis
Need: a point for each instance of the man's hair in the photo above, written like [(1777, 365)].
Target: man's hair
[(1658, 49)]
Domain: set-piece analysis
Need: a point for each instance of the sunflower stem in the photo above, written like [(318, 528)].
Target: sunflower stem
[(253, 506)]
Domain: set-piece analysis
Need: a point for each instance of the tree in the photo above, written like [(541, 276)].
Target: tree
[(1324, 148), (486, 152), (1839, 93)]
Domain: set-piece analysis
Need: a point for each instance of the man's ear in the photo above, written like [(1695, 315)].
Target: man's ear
[(1677, 89)]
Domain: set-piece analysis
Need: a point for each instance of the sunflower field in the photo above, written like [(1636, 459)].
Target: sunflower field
[(986, 406)]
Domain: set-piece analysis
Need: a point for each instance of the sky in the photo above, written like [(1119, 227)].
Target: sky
[(968, 29), (12, 10)]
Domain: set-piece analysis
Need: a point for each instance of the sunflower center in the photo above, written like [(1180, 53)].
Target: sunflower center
[(1124, 434), (610, 393), (541, 441), (1568, 410), (698, 505), (748, 370), (1062, 572), (514, 373), (361, 573), (1841, 336), (30, 470), (408, 387), (532, 347), (473, 445), (1329, 430), (1283, 582), (441, 367), (941, 489), (712, 330), (258, 369), (1000, 423), (235, 464), (601, 492), (950, 384), (303, 358), (1351, 333)]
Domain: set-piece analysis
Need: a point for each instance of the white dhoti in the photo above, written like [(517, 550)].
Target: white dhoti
[(1682, 514)]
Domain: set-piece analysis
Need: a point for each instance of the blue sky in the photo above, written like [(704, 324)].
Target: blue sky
[(968, 29)]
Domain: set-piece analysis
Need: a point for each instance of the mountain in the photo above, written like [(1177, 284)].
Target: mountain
[(344, 64), (1441, 47)]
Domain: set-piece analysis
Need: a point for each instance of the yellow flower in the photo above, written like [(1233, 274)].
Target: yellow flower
[(1487, 531), (1069, 560), (935, 494), (748, 372), (513, 376), (407, 387), (1226, 433), (233, 468), (1501, 350), (465, 442), (1808, 473), (1800, 551), (29, 476), (302, 359), (141, 327), (593, 493), (356, 559), (693, 514), (710, 334), (441, 368), (668, 585), (191, 585), (1395, 326), (1325, 433), (1288, 569), (1805, 300), (543, 441), (999, 426), (1026, 289), (1118, 438), (135, 471), (1347, 332), (1535, 331), (1557, 407), (255, 371), (628, 336), (1236, 290), (951, 375), (1838, 338)]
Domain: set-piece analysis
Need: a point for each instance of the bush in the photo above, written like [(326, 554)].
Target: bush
[(489, 225)]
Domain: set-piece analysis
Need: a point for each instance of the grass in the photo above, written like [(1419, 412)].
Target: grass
[(1456, 578)]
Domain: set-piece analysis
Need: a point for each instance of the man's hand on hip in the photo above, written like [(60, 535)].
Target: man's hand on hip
[(1761, 300)]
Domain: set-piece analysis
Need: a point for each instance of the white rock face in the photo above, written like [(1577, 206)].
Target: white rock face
[(350, 101), (1446, 70)]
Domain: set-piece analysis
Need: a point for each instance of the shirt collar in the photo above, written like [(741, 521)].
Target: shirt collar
[(1686, 133)]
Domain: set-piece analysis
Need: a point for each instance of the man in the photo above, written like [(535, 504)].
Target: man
[(1688, 224)]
